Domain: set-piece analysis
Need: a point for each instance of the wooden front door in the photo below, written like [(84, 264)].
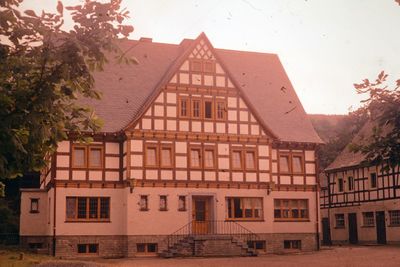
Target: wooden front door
[(380, 227), (326, 232), (353, 234), (201, 215)]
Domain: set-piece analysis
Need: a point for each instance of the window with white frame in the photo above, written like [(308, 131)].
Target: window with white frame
[(368, 218), (394, 217)]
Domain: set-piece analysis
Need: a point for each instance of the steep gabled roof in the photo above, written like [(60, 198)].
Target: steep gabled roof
[(347, 158), (127, 88)]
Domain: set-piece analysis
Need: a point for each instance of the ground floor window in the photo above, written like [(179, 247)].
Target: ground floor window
[(291, 209), (259, 245), (368, 218), (292, 244), (394, 217), (249, 208), (339, 220), (88, 208), (88, 248), (147, 248)]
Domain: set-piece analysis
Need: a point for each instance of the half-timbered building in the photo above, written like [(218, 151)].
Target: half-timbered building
[(203, 151), (360, 202)]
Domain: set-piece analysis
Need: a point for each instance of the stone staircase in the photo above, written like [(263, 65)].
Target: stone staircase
[(208, 246)]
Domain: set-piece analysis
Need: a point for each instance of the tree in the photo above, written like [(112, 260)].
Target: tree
[(383, 108), (44, 70)]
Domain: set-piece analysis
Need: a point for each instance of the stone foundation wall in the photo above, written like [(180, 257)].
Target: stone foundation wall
[(126, 246)]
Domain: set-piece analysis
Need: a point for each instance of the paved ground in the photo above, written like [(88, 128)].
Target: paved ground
[(386, 256)]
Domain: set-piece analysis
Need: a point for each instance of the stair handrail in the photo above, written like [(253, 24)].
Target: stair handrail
[(214, 227)]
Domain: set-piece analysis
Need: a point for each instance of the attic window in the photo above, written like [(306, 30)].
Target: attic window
[(208, 66), (195, 65)]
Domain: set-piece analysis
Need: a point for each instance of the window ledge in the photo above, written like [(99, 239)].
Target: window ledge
[(292, 220), (163, 209), (87, 221), (244, 220), (339, 227), (144, 209), (34, 211), (182, 209), (394, 225), (367, 226)]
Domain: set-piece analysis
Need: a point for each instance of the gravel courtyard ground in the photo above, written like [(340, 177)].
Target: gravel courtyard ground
[(336, 256), (348, 256)]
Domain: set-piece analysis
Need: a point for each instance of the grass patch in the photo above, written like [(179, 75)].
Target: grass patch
[(11, 257)]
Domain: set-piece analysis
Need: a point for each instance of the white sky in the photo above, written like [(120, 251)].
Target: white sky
[(324, 45)]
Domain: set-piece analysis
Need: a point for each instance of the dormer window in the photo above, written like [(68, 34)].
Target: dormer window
[(87, 156)]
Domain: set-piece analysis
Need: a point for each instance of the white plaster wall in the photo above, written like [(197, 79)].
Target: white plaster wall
[(34, 223), (118, 212), (174, 219)]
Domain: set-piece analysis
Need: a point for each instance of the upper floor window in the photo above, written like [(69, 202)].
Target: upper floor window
[(87, 156), (209, 158), (221, 110), (291, 209), (284, 163), (250, 160), (195, 108), (196, 65), (88, 208), (166, 156), (237, 159), (202, 66), (297, 164), (195, 161), (244, 208), (350, 183), (340, 184), (208, 109), (291, 163), (184, 107), (373, 182), (153, 159), (151, 155)]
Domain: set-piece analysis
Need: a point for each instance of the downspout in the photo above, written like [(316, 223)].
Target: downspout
[(317, 203), (54, 220), (53, 178)]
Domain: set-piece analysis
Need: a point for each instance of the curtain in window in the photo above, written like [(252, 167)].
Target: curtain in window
[(257, 204), (166, 157), (303, 208), (79, 157), (236, 160), (284, 163), (250, 160), (209, 159), (151, 156), (297, 164), (195, 157), (95, 157), (71, 205)]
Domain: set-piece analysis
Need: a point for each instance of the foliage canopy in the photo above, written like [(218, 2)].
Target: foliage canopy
[(44, 69)]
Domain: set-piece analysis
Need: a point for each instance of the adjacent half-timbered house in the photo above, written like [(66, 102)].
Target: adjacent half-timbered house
[(203, 151), (360, 203)]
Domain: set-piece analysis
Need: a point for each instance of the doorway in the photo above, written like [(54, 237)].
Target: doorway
[(201, 215), (326, 232), (380, 227), (353, 234)]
